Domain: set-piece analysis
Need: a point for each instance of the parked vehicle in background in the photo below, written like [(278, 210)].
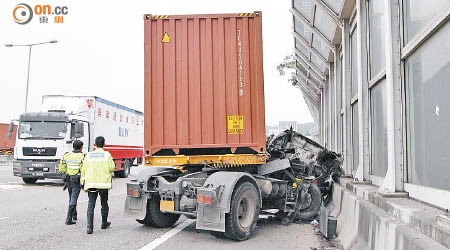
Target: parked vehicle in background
[(7, 144), (205, 144), (44, 137)]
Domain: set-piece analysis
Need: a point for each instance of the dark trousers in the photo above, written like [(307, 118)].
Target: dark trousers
[(74, 189), (92, 194)]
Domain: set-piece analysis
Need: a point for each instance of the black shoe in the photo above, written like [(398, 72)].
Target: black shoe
[(105, 225), (90, 223), (69, 220), (74, 215)]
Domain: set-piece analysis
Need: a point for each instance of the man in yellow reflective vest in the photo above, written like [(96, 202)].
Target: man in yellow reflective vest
[(70, 165), (96, 179)]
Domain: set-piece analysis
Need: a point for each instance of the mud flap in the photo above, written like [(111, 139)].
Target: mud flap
[(210, 218), (136, 207)]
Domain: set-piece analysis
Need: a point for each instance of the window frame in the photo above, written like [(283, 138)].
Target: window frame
[(372, 82), (353, 167), (426, 194), (424, 34), (354, 98)]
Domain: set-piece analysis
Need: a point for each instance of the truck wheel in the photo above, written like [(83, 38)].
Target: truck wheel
[(220, 235), (310, 210), (29, 180), (154, 216), (126, 170), (240, 222)]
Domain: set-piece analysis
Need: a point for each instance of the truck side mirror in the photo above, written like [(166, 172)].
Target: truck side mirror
[(78, 131), (10, 130)]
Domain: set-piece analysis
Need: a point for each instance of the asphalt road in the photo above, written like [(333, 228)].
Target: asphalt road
[(32, 217)]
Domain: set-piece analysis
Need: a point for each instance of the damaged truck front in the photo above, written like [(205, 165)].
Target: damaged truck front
[(295, 179), (204, 143)]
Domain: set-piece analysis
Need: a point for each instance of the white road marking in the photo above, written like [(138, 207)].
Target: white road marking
[(161, 239), (8, 187), (108, 196), (2, 218)]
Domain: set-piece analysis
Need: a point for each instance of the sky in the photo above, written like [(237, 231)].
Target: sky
[(100, 52)]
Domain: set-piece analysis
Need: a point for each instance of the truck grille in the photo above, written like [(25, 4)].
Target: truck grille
[(34, 151)]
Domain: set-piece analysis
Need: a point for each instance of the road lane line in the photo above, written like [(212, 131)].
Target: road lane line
[(161, 239), (2, 218), (108, 196)]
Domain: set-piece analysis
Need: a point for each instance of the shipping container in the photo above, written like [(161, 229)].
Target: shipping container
[(7, 144), (204, 84)]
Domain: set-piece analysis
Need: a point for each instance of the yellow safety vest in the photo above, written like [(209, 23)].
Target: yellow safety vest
[(71, 162), (98, 166)]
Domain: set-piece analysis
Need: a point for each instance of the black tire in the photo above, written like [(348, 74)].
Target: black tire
[(29, 180), (220, 235), (312, 210), (126, 170), (240, 222), (154, 217)]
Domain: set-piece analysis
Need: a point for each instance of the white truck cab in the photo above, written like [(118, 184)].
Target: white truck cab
[(44, 137)]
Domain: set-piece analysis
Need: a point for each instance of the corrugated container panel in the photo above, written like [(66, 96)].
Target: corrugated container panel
[(5, 142), (200, 72)]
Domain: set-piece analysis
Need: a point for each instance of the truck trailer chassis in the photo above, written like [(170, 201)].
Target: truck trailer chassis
[(293, 179)]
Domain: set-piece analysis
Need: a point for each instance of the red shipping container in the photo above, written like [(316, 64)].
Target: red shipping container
[(204, 82), (5, 142)]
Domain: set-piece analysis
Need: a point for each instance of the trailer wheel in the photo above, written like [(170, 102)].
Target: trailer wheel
[(29, 180), (216, 234), (313, 207), (154, 216), (240, 222), (126, 170)]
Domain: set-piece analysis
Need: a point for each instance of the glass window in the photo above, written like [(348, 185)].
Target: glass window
[(417, 14), (301, 68), (376, 39), (332, 106), (341, 136), (341, 69), (324, 24), (428, 87), (302, 48), (304, 7), (354, 63), (378, 129), (335, 5), (355, 136), (320, 47), (301, 30), (318, 62), (42, 130)]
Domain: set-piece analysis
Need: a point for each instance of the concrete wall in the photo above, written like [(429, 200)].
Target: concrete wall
[(367, 220)]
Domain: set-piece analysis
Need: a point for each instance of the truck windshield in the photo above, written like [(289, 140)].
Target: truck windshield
[(42, 130)]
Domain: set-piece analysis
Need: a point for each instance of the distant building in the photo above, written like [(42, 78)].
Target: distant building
[(271, 130), (283, 125), (309, 129)]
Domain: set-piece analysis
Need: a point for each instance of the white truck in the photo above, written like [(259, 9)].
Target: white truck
[(44, 137)]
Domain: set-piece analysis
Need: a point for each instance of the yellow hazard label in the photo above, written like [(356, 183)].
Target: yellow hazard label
[(166, 38), (235, 124)]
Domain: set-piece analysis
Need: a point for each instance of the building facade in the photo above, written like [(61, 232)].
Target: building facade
[(375, 75)]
